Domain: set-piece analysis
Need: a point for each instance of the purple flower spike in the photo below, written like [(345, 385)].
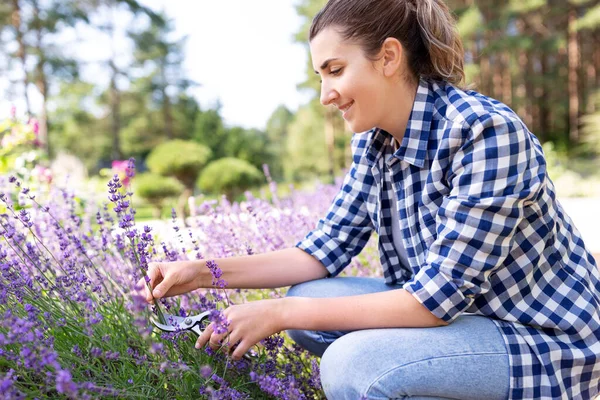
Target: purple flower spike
[(64, 383), (206, 371), (221, 324), (130, 168), (216, 274)]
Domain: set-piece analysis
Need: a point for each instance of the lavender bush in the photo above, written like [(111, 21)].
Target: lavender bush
[(74, 324)]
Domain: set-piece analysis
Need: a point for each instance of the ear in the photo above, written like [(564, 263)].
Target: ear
[(392, 54)]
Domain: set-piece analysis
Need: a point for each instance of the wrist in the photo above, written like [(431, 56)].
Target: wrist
[(203, 277), (286, 306), (288, 312)]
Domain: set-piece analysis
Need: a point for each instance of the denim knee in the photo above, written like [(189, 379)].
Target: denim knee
[(336, 369), (299, 290)]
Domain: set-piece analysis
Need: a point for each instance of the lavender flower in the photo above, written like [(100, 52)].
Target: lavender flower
[(64, 383), (221, 324), (206, 371), (216, 274)]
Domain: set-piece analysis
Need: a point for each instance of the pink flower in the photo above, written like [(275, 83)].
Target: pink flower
[(35, 126), (119, 167)]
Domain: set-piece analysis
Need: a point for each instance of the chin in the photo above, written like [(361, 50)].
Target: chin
[(358, 127)]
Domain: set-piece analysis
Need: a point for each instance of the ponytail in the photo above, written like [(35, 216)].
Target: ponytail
[(444, 47)]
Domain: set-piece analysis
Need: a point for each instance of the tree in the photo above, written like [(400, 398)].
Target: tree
[(163, 56), (156, 189), (71, 121), (330, 119), (210, 131), (119, 70), (306, 151), (277, 134), (33, 26), (182, 160), (230, 176)]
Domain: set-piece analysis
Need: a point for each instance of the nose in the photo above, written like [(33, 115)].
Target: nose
[(328, 94)]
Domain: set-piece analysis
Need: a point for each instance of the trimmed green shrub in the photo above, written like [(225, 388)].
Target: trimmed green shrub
[(230, 176), (180, 159), (156, 189)]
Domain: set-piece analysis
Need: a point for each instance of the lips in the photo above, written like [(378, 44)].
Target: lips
[(346, 106)]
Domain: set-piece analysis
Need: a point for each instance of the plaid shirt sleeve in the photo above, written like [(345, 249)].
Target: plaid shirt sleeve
[(496, 172), (346, 228)]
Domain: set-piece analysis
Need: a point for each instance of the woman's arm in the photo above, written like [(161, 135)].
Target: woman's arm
[(268, 270), (390, 309), (249, 323)]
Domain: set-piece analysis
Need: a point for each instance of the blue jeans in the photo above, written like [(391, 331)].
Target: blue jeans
[(466, 359)]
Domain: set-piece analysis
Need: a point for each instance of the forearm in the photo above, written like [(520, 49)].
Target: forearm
[(268, 270), (391, 309)]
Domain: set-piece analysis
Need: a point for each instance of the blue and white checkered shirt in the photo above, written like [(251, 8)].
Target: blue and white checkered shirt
[(483, 231)]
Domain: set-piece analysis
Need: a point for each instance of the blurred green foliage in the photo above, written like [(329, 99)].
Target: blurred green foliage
[(180, 159), (156, 189), (230, 176)]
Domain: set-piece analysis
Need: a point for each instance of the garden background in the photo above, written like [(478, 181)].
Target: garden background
[(208, 188)]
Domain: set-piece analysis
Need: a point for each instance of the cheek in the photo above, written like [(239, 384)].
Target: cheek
[(367, 98)]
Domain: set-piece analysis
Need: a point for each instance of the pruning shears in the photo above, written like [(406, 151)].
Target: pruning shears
[(175, 323), (194, 323)]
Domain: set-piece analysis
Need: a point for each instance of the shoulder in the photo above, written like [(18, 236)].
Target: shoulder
[(473, 115), (468, 108)]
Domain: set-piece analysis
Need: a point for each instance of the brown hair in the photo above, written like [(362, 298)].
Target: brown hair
[(425, 28)]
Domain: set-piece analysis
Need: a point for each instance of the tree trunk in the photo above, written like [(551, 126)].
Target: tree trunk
[(21, 51), (543, 100), (523, 93), (573, 56), (533, 94), (596, 57), (115, 113), (183, 200), (591, 79), (484, 72), (115, 94), (167, 112), (507, 97), (41, 83), (497, 78)]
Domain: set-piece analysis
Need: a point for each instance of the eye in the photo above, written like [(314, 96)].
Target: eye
[(334, 72)]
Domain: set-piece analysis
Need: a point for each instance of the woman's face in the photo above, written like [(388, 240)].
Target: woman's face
[(349, 81)]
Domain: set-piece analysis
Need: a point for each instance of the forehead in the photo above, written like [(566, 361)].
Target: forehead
[(329, 44)]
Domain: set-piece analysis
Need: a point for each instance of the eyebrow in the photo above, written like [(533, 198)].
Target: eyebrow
[(325, 64)]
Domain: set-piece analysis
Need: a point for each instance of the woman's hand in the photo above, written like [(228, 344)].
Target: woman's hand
[(172, 278), (249, 323)]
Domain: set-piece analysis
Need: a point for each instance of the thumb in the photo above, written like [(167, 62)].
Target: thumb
[(162, 288)]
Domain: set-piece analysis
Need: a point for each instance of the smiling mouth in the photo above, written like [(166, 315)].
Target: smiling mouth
[(346, 107)]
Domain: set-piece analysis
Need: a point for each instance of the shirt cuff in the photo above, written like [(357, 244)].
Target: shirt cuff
[(325, 249), (438, 293)]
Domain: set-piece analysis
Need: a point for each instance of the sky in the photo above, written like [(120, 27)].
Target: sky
[(241, 52)]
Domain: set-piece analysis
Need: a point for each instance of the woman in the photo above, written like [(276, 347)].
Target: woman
[(489, 291)]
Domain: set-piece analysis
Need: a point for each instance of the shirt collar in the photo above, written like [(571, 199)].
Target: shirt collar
[(413, 148)]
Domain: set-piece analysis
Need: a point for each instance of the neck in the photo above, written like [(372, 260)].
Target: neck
[(401, 100)]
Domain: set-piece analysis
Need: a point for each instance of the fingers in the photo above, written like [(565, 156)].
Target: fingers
[(230, 342), (217, 341), (204, 336), (239, 350), (160, 279), (153, 274), (162, 288)]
